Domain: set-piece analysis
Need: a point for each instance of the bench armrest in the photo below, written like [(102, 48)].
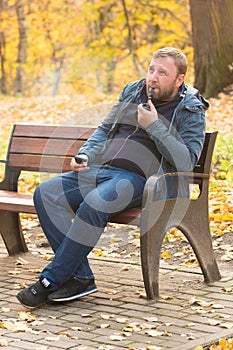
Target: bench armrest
[(151, 183)]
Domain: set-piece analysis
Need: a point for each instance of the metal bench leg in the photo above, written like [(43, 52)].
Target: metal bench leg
[(192, 219), (197, 231), (150, 260), (151, 239), (10, 229)]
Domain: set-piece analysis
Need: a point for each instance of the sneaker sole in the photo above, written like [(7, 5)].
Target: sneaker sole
[(28, 306), (76, 296)]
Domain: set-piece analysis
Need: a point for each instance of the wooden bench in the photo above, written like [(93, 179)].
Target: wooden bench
[(49, 148)]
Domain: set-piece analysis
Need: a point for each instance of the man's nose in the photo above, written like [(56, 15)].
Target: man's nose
[(154, 76)]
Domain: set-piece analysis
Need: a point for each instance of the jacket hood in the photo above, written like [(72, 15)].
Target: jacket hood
[(190, 92)]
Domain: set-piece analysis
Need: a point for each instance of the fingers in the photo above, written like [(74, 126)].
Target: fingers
[(145, 117), (142, 109), (79, 167)]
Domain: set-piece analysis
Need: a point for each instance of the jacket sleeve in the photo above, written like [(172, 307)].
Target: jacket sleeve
[(180, 146)]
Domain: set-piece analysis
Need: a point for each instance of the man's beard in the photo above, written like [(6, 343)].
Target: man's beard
[(165, 95)]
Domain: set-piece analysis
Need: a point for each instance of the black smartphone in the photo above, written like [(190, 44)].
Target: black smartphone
[(80, 159)]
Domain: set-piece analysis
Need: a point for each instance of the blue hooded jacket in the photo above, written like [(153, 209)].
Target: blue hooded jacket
[(180, 144)]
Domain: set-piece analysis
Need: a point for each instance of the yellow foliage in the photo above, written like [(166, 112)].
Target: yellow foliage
[(165, 255), (81, 45), (223, 344)]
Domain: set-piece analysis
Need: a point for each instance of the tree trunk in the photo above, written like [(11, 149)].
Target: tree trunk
[(110, 76), (57, 75), (2, 63), (2, 55), (22, 48), (212, 22)]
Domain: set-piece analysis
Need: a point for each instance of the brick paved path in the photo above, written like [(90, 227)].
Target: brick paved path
[(189, 313)]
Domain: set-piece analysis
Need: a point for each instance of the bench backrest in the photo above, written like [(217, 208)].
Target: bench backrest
[(46, 148), (49, 148), (204, 163)]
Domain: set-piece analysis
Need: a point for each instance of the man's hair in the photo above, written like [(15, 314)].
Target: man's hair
[(179, 58)]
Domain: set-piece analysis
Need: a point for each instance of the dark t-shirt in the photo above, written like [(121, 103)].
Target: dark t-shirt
[(131, 148)]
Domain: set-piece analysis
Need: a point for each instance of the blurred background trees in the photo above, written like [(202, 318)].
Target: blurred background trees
[(50, 47), (213, 44)]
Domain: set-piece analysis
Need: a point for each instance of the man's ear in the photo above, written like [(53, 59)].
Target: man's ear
[(180, 80)]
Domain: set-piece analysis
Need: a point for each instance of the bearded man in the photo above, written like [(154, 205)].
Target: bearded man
[(157, 125)]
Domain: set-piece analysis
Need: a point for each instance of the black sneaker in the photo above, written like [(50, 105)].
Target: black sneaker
[(74, 288), (36, 294)]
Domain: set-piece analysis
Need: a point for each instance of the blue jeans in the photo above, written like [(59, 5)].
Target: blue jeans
[(74, 209)]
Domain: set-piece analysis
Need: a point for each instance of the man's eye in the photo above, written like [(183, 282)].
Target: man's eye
[(162, 73)]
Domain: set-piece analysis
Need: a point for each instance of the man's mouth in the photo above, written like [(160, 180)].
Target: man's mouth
[(154, 87)]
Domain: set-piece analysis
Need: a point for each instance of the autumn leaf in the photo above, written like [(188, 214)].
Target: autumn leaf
[(3, 342), (121, 319), (86, 315), (104, 325), (52, 338), (154, 333), (165, 255), (116, 337)]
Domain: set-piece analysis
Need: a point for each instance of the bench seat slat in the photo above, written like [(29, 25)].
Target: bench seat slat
[(129, 217), (17, 202), (20, 202)]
